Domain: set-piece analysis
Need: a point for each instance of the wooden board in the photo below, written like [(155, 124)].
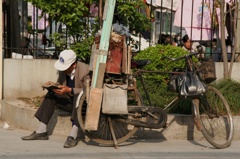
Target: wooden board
[(100, 77), (114, 61), (93, 109), (93, 57), (129, 56), (124, 58)]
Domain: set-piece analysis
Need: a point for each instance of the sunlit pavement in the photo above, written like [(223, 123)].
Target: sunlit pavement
[(12, 147)]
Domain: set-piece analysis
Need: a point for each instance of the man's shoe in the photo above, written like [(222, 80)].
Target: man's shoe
[(36, 136), (71, 142)]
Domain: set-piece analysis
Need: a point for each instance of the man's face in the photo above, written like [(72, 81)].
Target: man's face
[(188, 44), (71, 68)]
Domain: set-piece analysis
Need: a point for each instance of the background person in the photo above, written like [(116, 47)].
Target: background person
[(169, 40), (192, 47), (72, 75)]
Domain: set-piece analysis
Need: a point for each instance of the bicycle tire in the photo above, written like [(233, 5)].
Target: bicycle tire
[(103, 134), (215, 119)]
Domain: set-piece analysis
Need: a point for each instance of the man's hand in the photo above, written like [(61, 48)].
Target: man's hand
[(63, 89)]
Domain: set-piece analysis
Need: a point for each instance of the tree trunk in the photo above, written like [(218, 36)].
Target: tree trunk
[(235, 35), (223, 42), (238, 32)]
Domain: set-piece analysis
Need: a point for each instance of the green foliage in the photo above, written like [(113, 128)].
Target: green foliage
[(230, 90), (130, 16), (59, 40), (156, 55), (83, 47), (74, 14), (66, 11), (156, 83)]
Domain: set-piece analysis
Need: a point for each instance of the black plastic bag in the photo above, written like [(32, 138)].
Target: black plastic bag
[(190, 84)]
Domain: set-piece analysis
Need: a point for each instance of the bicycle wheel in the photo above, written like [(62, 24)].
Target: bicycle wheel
[(103, 135), (215, 119)]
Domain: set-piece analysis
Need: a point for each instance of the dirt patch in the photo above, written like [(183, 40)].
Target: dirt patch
[(32, 102)]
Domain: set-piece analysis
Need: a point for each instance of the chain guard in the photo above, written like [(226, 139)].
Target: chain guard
[(156, 118), (151, 118)]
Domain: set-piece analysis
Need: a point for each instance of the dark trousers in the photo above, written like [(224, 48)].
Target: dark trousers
[(51, 102)]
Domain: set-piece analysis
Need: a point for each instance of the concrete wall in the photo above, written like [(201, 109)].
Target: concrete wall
[(235, 71), (24, 78)]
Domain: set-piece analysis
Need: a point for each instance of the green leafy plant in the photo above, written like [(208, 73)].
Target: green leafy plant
[(156, 55), (230, 90), (59, 40), (157, 83), (84, 48), (130, 16)]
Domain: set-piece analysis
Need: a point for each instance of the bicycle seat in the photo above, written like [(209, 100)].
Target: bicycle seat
[(140, 63)]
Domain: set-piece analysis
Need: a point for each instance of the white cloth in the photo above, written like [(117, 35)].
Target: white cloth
[(72, 75), (198, 33)]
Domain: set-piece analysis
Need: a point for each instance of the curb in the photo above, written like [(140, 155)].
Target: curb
[(180, 127)]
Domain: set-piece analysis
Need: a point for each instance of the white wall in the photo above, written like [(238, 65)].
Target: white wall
[(235, 71), (24, 78)]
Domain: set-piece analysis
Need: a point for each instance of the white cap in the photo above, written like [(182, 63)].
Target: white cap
[(66, 59)]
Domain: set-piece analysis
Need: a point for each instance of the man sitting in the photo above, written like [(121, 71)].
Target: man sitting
[(72, 75)]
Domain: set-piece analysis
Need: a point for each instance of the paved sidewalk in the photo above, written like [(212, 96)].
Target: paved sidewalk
[(12, 147), (180, 127)]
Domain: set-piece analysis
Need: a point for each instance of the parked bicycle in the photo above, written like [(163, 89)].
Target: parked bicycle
[(210, 110)]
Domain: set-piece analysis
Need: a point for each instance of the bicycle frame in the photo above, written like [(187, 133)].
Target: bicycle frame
[(139, 73)]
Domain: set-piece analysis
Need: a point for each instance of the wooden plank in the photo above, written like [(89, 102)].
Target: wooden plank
[(129, 71), (124, 58), (100, 77), (93, 57), (94, 63), (93, 109)]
